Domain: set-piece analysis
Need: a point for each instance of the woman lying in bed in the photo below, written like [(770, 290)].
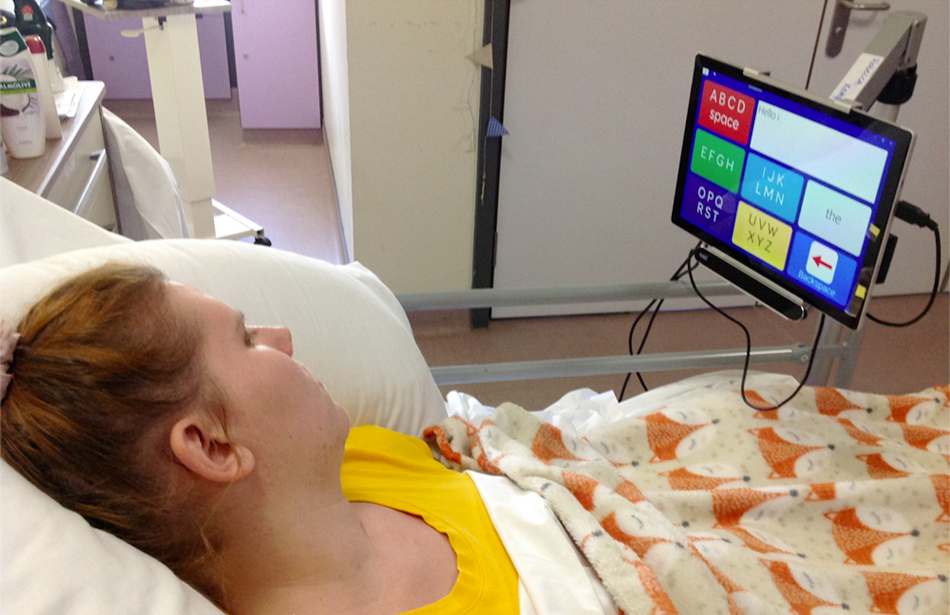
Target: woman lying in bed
[(159, 415), (156, 413)]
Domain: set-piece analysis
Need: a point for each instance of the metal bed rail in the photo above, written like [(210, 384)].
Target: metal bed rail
[(832, 346)]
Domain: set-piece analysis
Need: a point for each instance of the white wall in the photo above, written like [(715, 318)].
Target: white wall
[(412, 125), (336, 107)]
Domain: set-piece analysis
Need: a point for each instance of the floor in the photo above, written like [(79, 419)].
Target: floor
[(893, 361), (281, 179)]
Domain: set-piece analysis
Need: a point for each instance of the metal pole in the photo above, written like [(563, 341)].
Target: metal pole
[(824, 361), (848, 362), (621, 364), (509, 297)]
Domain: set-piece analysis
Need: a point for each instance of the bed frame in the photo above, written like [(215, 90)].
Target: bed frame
[(836, 343)]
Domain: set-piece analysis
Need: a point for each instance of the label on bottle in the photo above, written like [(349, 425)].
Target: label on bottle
[(11, 43), (21, 117), (17, 82), (18, 86)]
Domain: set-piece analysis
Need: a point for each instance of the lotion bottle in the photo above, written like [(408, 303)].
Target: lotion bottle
[(54, 130), (4, 165), (21, 116)]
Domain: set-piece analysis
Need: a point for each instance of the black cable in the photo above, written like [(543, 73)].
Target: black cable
[(748, 345), (904, 211), (933, 294), (680, 272), (626, 381), (659, 303), (646, 334), (643, 340)]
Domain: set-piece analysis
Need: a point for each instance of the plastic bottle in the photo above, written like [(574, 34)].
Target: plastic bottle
[(21, 116), (7, 14), (30, 19), (55, 77), (4, 165), (54, 130)]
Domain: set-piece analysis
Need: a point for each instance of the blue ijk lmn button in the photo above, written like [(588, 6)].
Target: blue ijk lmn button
[(774, 188)]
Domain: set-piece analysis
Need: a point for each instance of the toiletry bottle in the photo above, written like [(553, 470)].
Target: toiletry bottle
[(30, 19), (54, 130), (4, 165), (7, 14), (21, 116), (55, 76)]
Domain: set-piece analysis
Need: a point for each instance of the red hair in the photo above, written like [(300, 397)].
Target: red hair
[(103, 369)]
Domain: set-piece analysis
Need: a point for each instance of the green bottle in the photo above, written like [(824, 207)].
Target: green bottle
[(30, 19)]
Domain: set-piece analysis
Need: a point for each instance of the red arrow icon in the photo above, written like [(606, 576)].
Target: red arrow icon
[(820, 262)]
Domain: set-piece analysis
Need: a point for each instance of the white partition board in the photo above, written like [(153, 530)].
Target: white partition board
[(595, 103)]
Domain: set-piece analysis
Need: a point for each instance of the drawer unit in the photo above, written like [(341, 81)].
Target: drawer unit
[(82, 184), (73, 172)]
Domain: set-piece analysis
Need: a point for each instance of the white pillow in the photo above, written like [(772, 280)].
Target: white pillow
[(54, 563), (348, 329)]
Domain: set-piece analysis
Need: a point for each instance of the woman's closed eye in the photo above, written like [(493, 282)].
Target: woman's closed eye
[(276, 338)]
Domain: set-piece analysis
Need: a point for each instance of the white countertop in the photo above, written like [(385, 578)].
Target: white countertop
[(199, 7)]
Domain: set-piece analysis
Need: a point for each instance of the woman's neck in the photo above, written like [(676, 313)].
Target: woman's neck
[(295, 555)]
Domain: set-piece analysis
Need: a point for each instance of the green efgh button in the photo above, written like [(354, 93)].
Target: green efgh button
[(717, 160)]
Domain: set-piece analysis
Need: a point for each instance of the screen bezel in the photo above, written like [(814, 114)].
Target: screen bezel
[(852, 315)]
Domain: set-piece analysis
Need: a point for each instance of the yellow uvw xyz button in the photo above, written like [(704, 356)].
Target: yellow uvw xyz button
[(761, 235)]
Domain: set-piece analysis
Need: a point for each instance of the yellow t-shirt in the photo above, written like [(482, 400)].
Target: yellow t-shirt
[(398, 471)]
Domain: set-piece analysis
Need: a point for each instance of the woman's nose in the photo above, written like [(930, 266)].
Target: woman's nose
[(278, 338)]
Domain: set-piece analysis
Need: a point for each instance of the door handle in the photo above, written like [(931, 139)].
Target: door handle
[(840, 19), (865, 6)]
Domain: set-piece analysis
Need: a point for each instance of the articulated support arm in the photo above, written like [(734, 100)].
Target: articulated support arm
[(887, 70)]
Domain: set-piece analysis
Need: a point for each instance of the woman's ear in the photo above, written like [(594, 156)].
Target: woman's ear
[(199, 443)]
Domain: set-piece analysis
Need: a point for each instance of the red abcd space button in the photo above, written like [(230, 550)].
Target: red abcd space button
[(726, 111)]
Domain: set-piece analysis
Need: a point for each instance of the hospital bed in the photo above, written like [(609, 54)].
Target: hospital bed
[(353, 332)]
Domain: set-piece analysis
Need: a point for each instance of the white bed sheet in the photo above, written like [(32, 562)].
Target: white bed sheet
[(34, 228)]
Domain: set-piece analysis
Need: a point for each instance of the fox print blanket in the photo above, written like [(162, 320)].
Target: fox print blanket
[(837, 502)]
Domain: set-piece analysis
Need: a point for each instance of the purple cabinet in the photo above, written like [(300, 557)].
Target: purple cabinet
[(122, 63), (275, 53)]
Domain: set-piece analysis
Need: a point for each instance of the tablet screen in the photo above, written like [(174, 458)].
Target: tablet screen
[(797, 189)]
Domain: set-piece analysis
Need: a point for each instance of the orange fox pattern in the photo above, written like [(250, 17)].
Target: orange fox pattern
[(838, 502), (859, 537), (895, 593), (833, 402), (903, 408), (796, 588), (689, 479), (666, 434), (782, 452), (879, 468)]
